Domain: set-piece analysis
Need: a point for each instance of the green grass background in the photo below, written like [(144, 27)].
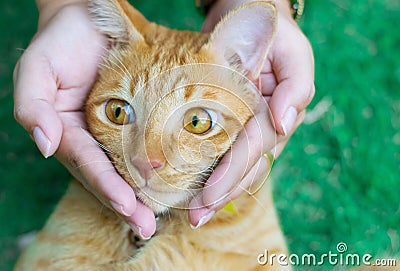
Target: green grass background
[(338, 179)]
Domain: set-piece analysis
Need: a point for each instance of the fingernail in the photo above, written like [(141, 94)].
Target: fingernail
[(289, 119), (203, 220), (119, 208), (42, 142), (138, 231)]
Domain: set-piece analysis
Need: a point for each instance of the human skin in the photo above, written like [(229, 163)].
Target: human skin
[(287, 85), (56, 71)]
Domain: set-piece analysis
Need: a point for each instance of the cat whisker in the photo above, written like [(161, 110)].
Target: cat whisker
[(99, 161), (211, 167), (95, 152), (125, 73), (255, 198), (95, 162), (106, 60), (106, 66), (106, 150), (101, 208), (123, 65), (102, 151)]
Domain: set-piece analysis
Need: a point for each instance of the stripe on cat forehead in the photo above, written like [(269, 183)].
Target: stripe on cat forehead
[(200, 81)]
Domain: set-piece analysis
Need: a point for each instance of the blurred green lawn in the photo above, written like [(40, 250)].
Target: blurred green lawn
[(338, 179)]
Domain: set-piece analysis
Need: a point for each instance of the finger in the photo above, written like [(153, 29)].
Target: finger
[(257, 138), (281, 145), (82, 156), (251, 183), (34, 95), (295, 76), (142, 221), (268, 81), (199, 214)]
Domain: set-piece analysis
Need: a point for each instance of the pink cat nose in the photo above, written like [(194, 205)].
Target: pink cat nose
[(146, 168)]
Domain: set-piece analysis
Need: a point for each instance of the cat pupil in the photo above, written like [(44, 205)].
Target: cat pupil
[(195, 121), (117, 112)]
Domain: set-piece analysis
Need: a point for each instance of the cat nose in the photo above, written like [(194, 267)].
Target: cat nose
[(146, 168)]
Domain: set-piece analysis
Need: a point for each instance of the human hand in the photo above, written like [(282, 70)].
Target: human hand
[(287, 85), (51, 80)]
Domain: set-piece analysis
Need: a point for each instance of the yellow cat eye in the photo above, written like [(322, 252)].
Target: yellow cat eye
[(197, 121), (119, 112)]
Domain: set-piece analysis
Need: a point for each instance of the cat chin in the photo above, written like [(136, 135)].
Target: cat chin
[(165, 201), (158, 209)]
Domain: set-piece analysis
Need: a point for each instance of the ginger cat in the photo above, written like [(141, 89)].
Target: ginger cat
[(166, 107)]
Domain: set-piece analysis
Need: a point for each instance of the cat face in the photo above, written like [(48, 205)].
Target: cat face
[(167, 107), (165, 128)]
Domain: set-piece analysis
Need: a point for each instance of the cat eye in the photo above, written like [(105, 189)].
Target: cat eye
[(198, 120), (119, 112)]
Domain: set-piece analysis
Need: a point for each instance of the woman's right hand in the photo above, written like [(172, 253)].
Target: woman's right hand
[(51, 82)]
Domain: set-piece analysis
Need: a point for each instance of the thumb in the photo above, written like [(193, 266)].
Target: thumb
[(35, 91)]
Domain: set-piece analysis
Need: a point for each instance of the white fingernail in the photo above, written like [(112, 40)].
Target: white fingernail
[(289, 119), (42, 142), (203, 220), (138, 231), (119, 208)]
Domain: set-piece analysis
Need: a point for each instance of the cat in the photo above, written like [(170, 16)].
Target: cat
[(167, 105)]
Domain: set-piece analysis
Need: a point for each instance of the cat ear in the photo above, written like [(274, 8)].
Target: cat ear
[(118, 20), (243, 37)]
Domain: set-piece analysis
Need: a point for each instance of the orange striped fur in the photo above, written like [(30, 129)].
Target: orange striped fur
[(162, 73)]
